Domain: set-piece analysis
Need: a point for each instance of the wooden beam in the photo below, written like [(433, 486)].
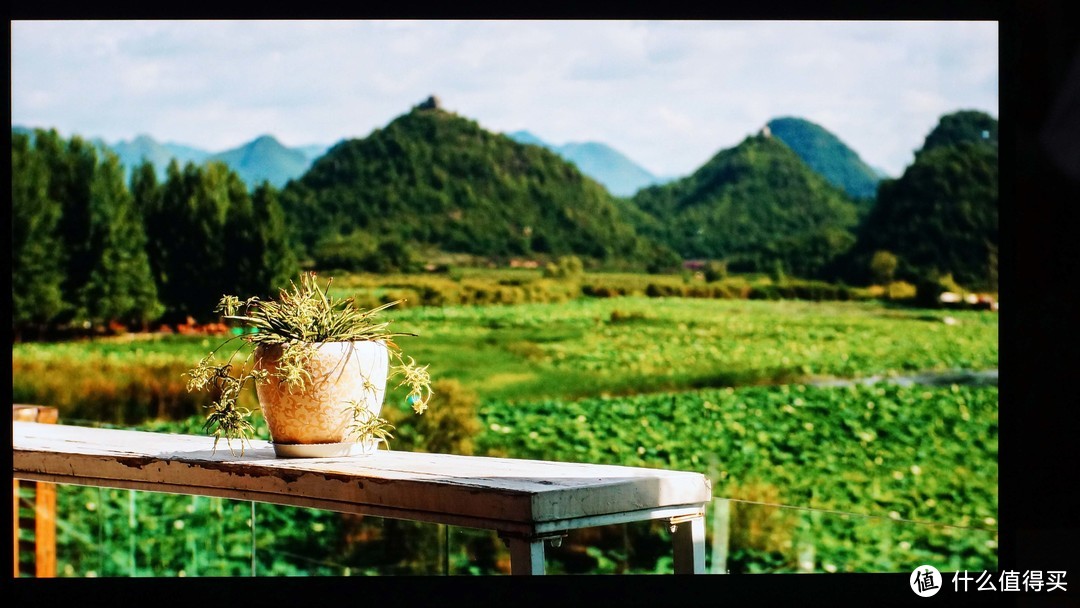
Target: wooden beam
[(45, 530)]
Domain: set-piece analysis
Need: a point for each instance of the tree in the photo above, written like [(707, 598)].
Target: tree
[(70, 167), (186, 231), (361, 252), (566, 267), (37, 252), (210, 237), (883, 266), (119, 284), (105, 273), (256, 244), (146, 195)]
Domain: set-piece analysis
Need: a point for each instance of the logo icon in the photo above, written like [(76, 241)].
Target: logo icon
[(925, 581)]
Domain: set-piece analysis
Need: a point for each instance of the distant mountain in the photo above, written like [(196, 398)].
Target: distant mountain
[(145, 148), (313, 151), (524, 137), (264, 159), (434, 178), (620, 175), (757, 206), (827, 155)]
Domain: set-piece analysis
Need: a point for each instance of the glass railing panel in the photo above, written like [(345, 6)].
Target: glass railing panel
[(125, 533), (751, 538)]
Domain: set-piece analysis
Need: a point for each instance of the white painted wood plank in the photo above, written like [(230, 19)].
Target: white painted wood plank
[(509, 490)]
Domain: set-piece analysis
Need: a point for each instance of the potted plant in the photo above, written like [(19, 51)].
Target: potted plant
[(320, 367)]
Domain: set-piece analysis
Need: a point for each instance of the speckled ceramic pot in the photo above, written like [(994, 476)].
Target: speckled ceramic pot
[(320, 413)]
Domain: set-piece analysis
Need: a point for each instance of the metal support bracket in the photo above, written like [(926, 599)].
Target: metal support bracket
[(679, 519), (554, 538)]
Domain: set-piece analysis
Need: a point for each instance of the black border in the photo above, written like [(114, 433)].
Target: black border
[(1039, 211)]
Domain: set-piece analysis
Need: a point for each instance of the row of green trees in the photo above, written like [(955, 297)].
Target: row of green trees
[(89, 249)]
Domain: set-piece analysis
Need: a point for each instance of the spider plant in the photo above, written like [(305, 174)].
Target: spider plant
[(298, 321)]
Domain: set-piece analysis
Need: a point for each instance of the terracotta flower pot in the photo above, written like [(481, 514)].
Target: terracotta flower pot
[(320, 412)]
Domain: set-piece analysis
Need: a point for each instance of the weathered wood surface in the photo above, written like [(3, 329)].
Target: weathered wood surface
[(525, 497)]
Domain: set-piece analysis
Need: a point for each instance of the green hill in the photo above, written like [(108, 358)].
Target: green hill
[(827, 155), (432, 177), (941, 216), (970, 126), (756, 205)]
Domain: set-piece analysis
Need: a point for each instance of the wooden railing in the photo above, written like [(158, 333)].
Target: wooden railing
[(526, 501), (41, 496)]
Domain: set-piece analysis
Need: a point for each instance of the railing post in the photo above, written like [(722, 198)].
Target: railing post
[(688, 540), (721, 535), (527, 552), (44, 502)]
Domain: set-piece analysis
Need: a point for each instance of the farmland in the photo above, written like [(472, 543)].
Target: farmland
[(580, 348), (893, 475)]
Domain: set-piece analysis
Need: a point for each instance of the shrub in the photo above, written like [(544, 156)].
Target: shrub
[(757, 526), (716, 271), (566, 267), (900, 290), (447, 428)]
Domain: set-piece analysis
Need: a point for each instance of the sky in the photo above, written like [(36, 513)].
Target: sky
[(667, 94)]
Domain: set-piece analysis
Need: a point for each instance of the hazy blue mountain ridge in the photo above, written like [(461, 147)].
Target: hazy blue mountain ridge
[(262, 159), (265, 159), (145, 148), (613, 169)]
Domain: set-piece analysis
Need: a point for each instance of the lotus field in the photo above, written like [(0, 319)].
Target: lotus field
[(871, 478)]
